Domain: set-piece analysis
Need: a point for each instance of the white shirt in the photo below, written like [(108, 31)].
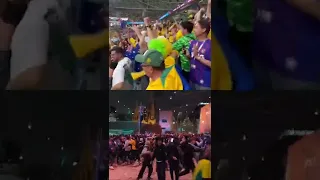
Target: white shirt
[(30, 40), (119, 72)]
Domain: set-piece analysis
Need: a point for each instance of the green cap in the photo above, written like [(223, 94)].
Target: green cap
[(151, 58)]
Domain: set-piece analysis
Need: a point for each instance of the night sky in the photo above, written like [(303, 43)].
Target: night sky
[(180, 101)]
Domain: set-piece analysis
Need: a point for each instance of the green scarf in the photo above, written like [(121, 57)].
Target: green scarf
[(180, 45)]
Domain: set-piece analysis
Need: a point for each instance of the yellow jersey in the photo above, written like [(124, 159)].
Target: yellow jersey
[(133, 144), (203, 170), (169, 80), (179, 35), (171, 39)]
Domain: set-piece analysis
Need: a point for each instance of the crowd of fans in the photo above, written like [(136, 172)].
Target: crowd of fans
[(166, 55), (179, 153)]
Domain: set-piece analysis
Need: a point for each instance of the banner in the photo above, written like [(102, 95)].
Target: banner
[(165, 120), (179, 7), (134, 23), (205, 119)]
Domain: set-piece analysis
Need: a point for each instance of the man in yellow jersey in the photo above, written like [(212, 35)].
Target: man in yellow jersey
[(134, 152), (203, 169), (161, 78)]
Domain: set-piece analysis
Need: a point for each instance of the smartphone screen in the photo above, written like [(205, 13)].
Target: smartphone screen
[(171, 140)]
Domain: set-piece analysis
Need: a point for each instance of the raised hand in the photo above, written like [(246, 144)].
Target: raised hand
[(147, 21), (135, 28)]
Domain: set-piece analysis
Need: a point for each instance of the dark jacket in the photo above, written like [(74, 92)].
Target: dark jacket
[(160, 153), (187, 152), (172, 150)]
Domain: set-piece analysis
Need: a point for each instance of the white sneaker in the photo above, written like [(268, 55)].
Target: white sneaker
[(111, 167)]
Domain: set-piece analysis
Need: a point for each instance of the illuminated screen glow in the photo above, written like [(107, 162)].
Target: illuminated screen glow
[(205, 119)]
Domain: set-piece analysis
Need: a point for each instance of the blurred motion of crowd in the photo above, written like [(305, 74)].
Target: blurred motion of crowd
[(179, 153)]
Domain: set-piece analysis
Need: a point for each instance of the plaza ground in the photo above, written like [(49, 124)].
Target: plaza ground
[(131, 173)]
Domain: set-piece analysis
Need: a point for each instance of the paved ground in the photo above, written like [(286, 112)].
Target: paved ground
[(131, 173)]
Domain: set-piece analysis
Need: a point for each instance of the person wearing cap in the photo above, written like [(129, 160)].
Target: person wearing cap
[(152, 63)]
